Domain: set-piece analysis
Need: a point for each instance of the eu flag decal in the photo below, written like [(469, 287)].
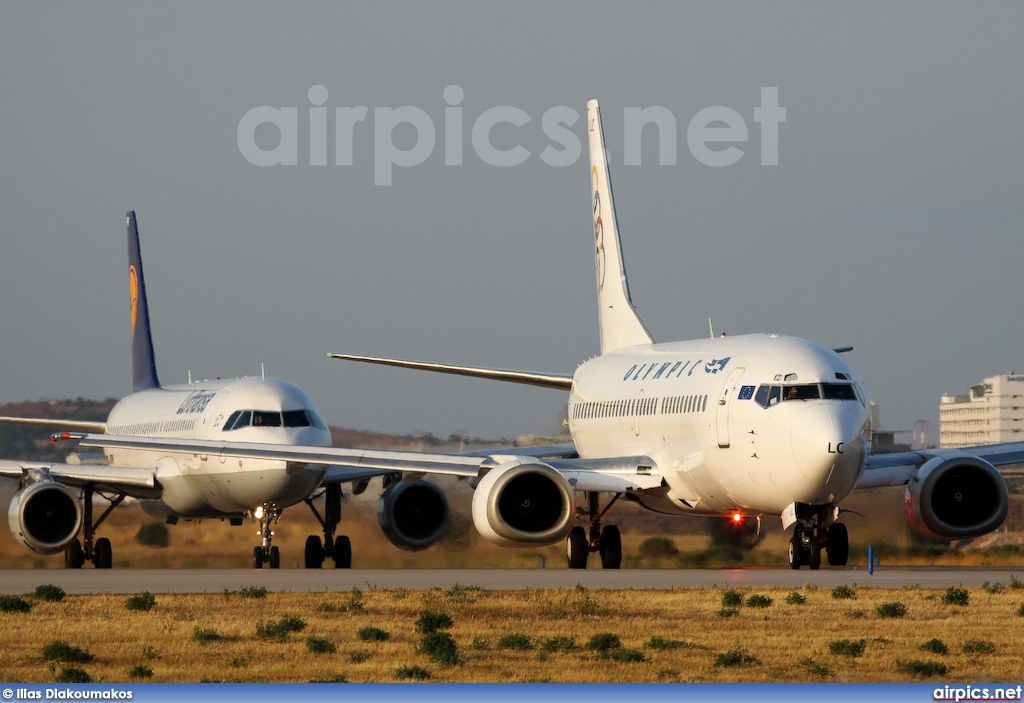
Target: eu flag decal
[(746, 392)]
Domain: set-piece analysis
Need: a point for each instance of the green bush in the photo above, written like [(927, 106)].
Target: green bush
[(623, 655), (916, 667), (935, 646), (205, 636), (658, 548), (795, 598), (153, 534), (1020, 611), (891, 610), (993, 589), (70, 674), (732, 599), (60, 651), (558, 644), (661, 643), (252, 592), (735, 657), (14, 604), (728, 613), (143, 601), (604, 641), (847, 648), (515, 641), (373, 634), (279, 629), (432, 621), (140, 671), (49, 593), (412, 673), (956, 596), (843, 592), (319, 645), (978, 647), (441, 648), (758, 601)]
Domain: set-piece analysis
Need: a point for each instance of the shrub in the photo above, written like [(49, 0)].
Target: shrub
[(978, 647), (843, 592), (70, 674), (252, 592), (359, 657), (660, 643), (956, 596), (432, 621), (1020, 610), (143, 601), (815, 669), (993, 589), (795, 598), (658, 548), (150, 653), (847, 648), (319, 645), (604, 641), (758, 601), (558, 644), (441, 648), (373, 634), (623, 655), (891, 610), (935, 646), (49, 593), (732, 599), (412, 673), (140, 672), (204, 636), (279, 629), (153, 534), (463, 594), (515, 641), (14, 604), (735, 657), (60, 651), (916, 667), (728, 612), (340, 678)]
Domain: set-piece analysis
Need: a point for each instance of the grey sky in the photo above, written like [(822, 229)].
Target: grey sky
[(892, 222)]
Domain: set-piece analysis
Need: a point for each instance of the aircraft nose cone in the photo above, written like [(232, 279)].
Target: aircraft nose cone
[(828, 448)]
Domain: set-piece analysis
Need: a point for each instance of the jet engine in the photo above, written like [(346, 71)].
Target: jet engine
[(517, 503), (956, 496), (45, 517), (413, 515)]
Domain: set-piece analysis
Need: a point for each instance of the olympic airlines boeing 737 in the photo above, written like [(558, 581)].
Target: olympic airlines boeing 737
[(750, 425)]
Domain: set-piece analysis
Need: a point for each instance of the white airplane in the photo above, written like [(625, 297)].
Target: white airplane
[(738, 426)]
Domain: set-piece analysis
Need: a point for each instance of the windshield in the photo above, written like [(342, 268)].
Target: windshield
[(768, 395)]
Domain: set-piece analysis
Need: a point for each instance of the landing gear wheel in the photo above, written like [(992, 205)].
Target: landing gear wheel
[(257, 557), (342, 552), (796, 553), (104, 555), (314, 552), (577, 548), (73, 557), (838, 545), (611, 548), (275, 558), (814, 555)]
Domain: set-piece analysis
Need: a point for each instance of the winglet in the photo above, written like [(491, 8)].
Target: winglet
[(143, 360), (620, 325)]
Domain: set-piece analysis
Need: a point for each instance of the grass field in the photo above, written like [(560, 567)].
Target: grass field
[(570, 635)]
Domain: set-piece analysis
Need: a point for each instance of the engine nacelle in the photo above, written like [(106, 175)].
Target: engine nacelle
[(45, 517), (413, 515), (518, 503), (956, 496)]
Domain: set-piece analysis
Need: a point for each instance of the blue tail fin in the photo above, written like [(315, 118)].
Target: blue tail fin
[(143, 361)]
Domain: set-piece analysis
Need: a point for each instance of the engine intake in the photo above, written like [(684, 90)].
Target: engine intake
[(956, 496), (45, 517), (518, 503), (414, 515)]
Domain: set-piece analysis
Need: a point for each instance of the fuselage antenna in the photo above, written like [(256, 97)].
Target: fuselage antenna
[(711, 328), (263, 371)]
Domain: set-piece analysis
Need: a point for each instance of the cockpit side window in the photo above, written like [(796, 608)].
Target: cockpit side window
[(238, 419), (229, 423)]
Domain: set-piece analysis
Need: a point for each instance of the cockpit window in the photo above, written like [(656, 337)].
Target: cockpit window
[(239, 418), (230, 422), (266, 418), (270, 418), (295, 418), (768, 395), (838, 391), (808, 391)]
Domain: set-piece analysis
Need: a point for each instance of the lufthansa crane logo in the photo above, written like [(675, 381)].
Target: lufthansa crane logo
[(598, 232), (133, 295)]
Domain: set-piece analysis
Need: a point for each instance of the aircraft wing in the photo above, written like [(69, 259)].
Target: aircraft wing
[(529, 378), (123, 479), (899, 469), (76, 425), (540, 451)]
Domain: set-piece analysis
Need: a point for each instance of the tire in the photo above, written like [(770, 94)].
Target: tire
[(577, 548), (103, 557), (275, 558), (838, 545), (611, 548), (796, 553), (257, 557), (73, 557), (814, 556), (342, 552), (314, 552)]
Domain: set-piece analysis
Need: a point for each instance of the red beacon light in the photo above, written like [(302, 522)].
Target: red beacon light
[(737, 518)]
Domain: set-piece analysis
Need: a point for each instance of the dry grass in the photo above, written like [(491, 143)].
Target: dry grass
[(781, 642)]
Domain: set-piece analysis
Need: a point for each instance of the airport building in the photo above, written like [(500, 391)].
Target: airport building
[(992, 412)]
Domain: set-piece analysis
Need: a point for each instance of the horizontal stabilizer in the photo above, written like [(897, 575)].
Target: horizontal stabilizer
[(544, 380)]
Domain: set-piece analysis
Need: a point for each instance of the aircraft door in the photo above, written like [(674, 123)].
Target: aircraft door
[(725, 403), (637, 409)]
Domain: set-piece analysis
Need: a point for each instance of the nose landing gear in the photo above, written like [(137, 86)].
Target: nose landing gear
[(265, 553), (815, 530)]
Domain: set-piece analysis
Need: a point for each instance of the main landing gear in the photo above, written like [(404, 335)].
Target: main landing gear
[(607, 541), (815, 530), (339, 548), (98, 552)]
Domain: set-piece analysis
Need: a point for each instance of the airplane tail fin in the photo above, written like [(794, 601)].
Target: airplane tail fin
[(619, 322), (143, 360)]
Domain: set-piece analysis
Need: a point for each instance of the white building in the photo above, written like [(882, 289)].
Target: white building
[(992, 412)]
